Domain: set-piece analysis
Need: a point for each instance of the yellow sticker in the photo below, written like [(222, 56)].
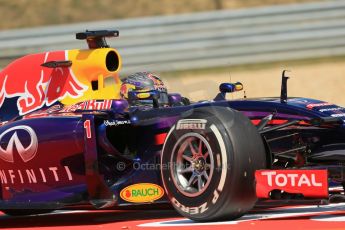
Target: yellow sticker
[(238, 86), (143, 95), (142, 193)]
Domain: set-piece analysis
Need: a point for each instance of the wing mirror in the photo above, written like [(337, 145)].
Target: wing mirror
[(225, 88), (230, 87), (148, 95)]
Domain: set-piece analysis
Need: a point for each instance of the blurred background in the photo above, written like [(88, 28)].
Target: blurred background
[(197, 44)]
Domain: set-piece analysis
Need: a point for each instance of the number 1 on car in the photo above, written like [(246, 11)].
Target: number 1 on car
[(87, 126)]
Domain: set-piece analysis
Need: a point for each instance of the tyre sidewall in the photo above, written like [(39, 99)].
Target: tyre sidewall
[(207, 202)]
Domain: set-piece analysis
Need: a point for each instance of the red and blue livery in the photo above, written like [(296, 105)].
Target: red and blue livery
[(68, 140)]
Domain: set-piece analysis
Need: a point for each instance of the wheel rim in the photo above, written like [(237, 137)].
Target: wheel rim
[(192, 164)]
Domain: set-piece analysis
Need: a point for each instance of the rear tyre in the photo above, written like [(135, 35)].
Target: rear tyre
[(212, 155)]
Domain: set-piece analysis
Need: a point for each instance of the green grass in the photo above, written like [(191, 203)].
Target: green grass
[(29, 13)]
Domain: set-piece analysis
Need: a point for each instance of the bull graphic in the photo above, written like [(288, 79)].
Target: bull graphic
[(36, 86)]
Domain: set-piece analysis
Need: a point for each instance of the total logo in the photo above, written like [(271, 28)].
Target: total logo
[(310, 183), (293, 179), (142, 193)]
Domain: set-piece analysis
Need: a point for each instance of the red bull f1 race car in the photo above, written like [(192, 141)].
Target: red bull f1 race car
[(68, 139)]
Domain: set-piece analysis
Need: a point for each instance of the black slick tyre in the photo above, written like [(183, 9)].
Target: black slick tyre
[(208, 163)]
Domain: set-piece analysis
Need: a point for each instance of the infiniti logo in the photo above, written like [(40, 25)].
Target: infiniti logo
[(26, 153)]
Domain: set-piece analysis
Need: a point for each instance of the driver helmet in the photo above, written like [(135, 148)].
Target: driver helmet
[(144, 82)]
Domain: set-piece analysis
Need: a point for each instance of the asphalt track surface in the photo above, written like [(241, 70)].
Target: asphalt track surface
[(330, 217)]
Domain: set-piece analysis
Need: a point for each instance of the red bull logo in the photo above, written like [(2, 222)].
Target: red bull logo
[(36, 86)]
